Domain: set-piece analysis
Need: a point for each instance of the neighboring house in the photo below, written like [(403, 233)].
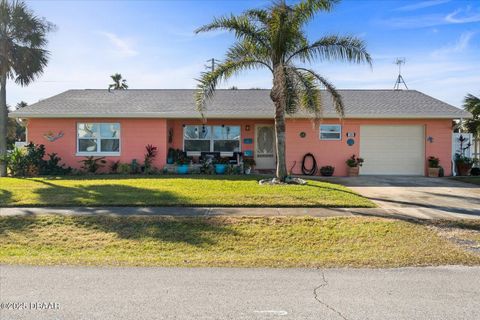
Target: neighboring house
[(395, 131)]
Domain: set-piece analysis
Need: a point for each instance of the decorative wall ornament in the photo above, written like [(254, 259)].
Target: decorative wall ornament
[(303, 134), (350, 134), (430, 139), (350, 142), (50, 136)]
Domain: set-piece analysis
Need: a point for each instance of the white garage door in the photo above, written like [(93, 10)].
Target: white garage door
[(394, 150)]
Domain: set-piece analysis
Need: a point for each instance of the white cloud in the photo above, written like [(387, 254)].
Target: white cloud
[(123, 47), (463, 16), (421, 5), (460, 46), (459, 16)]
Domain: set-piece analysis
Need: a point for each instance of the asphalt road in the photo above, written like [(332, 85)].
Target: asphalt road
[(217, 293)]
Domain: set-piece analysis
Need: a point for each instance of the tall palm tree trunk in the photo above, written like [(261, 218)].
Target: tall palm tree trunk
[(3, 123), (278, 97)]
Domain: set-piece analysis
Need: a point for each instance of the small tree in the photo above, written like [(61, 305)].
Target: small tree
[(118, 82)]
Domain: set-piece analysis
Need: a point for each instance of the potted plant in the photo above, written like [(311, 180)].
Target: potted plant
[(327, 171), (354, 164), (221, 165), (433, 167), (248, 164), (182, 165), (464, 164)]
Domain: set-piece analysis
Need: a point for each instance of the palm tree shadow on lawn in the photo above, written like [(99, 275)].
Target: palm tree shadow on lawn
[(195, 231), (105, 195), (191, 230)]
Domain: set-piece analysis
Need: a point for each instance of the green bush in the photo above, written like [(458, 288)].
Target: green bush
[(29, 161)]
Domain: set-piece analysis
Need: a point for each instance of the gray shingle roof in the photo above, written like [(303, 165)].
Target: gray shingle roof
[(179, 103)]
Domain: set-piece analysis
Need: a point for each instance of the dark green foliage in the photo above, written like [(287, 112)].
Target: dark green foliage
[(92, 164), (472, 105), (30, 162)]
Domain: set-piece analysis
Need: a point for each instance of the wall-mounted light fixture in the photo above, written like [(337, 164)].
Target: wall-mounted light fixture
[(247, 127)]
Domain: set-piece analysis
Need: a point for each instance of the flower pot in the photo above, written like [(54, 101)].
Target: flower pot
[(248, 170), (327, 172), (353, 171), (434, 172), (182, 168), (220, 168), (463, 169)]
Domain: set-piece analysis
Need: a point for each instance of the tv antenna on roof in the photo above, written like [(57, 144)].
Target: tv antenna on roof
[(400, 80)]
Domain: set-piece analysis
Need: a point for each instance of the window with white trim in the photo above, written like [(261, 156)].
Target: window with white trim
[(211, 138), (95, 138), (330, 132)]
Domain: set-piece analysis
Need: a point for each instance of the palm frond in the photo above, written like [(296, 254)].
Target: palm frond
[(471, 104), (330, 88), (248, 50), (307, 90), (342, 48), (306, 9), (208, 81), (240, 25)]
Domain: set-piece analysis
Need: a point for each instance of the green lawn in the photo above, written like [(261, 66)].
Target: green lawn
[(474, 180), (222, 241), (225, 191)]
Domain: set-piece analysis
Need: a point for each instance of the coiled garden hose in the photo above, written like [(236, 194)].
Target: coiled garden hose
[(311, 171)]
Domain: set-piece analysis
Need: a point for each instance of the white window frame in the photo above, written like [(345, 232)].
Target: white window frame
[(99, 141), (212, 140), (330, 125)]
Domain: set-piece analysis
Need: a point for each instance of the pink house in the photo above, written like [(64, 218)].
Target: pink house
[(395, 131)]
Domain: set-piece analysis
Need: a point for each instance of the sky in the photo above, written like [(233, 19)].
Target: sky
[(152, 44)]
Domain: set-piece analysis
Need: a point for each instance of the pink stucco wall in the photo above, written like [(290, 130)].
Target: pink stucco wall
[(136, 133), (336, 152)]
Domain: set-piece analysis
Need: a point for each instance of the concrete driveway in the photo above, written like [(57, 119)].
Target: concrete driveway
[(419, 197)]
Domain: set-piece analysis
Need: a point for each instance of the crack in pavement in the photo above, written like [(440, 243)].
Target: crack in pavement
[(315, 293)]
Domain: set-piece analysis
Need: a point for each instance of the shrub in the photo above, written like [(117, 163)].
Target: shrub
[(124, 168), (150, 156), (114, 166), (53, 167), (92, 164), (475, 172), (29, 161)]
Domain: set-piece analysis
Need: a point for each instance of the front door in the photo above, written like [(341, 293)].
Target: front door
[(264, 147)]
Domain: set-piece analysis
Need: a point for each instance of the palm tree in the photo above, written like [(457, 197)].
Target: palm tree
[(118, 82), (274, 39), (23, 38), (472, 105)]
